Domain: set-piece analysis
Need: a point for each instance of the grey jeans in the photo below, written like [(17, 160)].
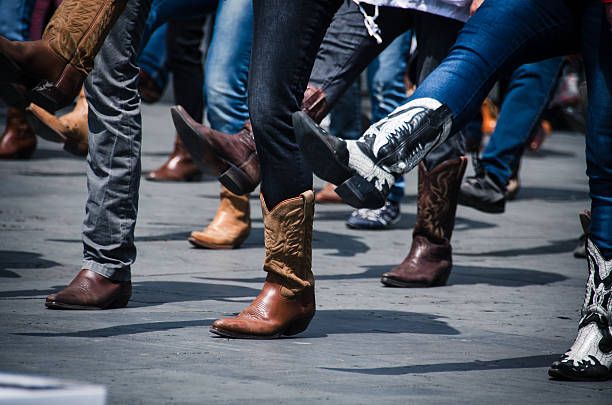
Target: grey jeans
[(113, 163)]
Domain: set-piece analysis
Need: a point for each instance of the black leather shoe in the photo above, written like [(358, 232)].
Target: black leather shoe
[(481, 192)]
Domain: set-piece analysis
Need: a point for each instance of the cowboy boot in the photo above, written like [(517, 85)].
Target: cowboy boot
[(70, 129), (89, 290), (430, 261), (366, 168), (18, 140), (286, 303), (590, 357), (178, 167), (56, 66), (230, 227)]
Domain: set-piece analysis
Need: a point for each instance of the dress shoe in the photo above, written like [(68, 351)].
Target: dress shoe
[(18, 140), (178, 167), (430, 261), (365, 169), (327, 195), (232, 158), (70, 129), (483, 193), (230, 227), (286, 303), (89, 290)]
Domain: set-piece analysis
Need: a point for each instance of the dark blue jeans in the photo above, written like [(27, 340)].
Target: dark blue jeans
[(527, 94), (504, 34)]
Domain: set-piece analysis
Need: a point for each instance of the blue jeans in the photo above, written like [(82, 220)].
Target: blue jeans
[(113, 162), (528, 92), (15, 19), (502, 35), (227, 66), (154, 57)]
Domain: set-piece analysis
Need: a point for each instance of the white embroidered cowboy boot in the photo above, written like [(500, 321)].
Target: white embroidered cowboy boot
[(590, 357)]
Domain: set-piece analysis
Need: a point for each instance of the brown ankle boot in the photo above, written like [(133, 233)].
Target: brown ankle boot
[(61, 60), (18, 140), (230, 227), (178, 167), (70, 129), (430, 260), (89, 290), (286, 303)]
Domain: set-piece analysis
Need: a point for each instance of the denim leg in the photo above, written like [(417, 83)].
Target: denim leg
[(286, 37), (345, 117), (113, 163), (15, 18), (598, 65), (154, 57), (227, 66), (499, 37), (529, 90)]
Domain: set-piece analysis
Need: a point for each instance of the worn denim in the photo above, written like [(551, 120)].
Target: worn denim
[(15, 19), (527, 94), (502, 35), (113, 163)]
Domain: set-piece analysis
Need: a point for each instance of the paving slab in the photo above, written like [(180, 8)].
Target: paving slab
[(510, 308)]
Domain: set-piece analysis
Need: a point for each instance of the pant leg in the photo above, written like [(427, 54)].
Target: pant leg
[(227, 66), (596, 40), (528, 93), (286, 38), (501, 35), (345, 117), (113, 163), (185, 63), (154, 57), (15, 19), (435, 36)]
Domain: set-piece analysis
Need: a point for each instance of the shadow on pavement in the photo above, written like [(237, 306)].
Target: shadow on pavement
[(476, 365), (15, 259), (461, 275), (553, 247), (551, 194)]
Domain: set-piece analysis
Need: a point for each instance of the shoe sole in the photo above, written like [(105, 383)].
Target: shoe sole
[(374, 228), (561, 374), (297, 326), (186, 179), (321, 154), (118, 303), (389, 282), (231, 176), (199, 244), (495, 208), (42, 129)]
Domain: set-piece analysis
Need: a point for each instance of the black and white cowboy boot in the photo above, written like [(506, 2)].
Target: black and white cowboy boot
[(590, 357), (366, 168)]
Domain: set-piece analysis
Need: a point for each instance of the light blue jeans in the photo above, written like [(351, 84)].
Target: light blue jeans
[(154, 57), (15, 18)]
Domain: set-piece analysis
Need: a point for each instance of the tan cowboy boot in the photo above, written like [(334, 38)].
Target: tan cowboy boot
[(18, 140), (429, 262), (70, 129), (286, 303), (178, 167), (230, 227), (64, 56)]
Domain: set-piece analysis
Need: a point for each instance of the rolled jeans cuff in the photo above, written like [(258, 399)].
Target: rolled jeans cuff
[(110, 272)]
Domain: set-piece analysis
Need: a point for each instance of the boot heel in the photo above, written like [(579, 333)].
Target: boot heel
[(360, 193), (236, 181), (297, 326)]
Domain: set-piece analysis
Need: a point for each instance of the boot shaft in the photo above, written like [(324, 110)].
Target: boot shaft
[(288, 240), (437, 201)]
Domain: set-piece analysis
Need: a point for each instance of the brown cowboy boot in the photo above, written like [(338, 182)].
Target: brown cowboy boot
[(56, 66), (89, 290), (286, 303), (429, 262), (230, 157), (178, 167), (18, 140), (230, 227), (70, 129)]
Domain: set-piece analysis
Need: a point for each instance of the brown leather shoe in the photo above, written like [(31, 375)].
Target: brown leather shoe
[(18, 140), (429, 262), (149, 91), (178, 167), (70, 129), (286, 303), (232, 158), (230, 227), (327, 195), (89, 290)]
